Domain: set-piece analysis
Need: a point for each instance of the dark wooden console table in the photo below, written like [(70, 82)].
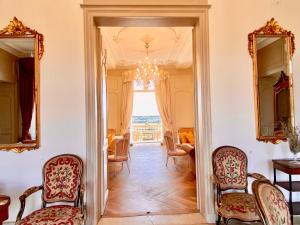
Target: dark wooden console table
[(4, 204), (287, 166)]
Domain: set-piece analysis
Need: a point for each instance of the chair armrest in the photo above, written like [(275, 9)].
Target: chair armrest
[(186, 147), (256, 176), (23, 197)]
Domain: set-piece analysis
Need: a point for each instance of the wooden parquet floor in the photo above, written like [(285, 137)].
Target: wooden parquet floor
[(151, 187)]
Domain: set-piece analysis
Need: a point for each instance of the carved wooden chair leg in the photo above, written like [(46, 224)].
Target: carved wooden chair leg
[(167, 161), (219, 220), (128, 166), (129, 155)]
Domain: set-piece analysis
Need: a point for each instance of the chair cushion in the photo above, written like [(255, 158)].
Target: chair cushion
[(112, 158), (54, 215), (177, 152), (238, 206)]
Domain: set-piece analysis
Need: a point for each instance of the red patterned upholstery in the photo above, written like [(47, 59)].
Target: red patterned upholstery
[(238, 206), (62, 175), (54, 215), (62, 182), (230, 172), (271, 203), (230, 167)]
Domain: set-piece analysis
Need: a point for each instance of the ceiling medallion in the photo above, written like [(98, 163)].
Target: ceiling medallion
[(147, 72)]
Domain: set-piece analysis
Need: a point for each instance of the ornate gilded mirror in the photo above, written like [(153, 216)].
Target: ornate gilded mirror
[(271, 48), (21, 49)]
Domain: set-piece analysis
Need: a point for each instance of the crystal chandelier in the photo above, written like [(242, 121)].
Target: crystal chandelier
[(147, 71)]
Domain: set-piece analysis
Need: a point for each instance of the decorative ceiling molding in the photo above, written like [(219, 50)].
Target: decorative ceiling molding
[(171, 46)]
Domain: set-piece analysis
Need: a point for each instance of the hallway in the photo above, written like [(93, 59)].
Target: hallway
[(151, 187)]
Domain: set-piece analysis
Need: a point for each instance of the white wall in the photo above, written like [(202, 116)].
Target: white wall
[(231, 74), (114, 93), (182, 97), (62, 92)]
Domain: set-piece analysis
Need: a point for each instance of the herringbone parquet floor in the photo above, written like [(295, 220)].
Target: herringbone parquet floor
[(151, 187)]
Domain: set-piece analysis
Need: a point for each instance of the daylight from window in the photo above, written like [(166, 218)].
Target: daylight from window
[(146, 123)]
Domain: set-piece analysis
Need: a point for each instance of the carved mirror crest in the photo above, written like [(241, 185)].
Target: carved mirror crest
[(21, 49), (271, 48)]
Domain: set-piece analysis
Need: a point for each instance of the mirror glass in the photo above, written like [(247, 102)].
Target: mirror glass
[(17, 91), (271, 48), (273, 76)]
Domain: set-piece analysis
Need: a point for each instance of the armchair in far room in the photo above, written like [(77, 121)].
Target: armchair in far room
[(127, 137), (120, 152), (173, 150), (62, 183), (186, 135), (230, 173), (111, 133)]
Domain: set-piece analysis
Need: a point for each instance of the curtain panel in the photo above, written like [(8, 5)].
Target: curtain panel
[(163, 99), (127, 100), (26, 93)]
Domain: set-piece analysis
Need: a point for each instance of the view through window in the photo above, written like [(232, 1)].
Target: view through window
[(146, 123)]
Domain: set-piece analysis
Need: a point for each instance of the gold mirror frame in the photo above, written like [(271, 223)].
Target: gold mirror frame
[(271, 29), (16, 29)]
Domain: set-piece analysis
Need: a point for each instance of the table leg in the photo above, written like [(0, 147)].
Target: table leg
[(291, 198), (274, 171)]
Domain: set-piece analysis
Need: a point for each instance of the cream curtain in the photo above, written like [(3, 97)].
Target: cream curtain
[(127, 100), (163, 99)]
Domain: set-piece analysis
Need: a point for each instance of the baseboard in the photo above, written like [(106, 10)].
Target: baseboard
[(9, 223), (210, 218)]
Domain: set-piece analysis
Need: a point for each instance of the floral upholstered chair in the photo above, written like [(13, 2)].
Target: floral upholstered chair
[(272, 206), (230, 173), (62, 182)]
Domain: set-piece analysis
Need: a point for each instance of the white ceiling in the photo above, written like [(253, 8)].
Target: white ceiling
[(171, 46), (20, 47)]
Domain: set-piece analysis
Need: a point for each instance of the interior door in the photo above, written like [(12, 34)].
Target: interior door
[(8, 111), (102, 119)]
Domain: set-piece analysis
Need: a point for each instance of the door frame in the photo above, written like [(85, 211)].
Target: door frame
[(163, 14)]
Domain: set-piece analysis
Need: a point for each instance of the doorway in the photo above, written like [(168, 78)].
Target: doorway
[(189, 15)]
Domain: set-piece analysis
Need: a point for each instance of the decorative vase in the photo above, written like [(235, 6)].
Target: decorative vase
[(294, 143)]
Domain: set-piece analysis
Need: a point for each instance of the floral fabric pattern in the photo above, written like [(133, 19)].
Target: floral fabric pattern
[(238, 206), (62, 176), (54, 215), (230, 167), (274, 205)]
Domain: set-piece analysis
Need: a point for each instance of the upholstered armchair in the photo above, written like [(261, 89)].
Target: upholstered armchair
[(127, 136), (186, 135), (230, 173), (111, 133), (121, 152), (62, 182), (272, 206), (173, 150)]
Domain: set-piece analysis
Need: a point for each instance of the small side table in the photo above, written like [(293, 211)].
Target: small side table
[(4, 204), (287, 166)]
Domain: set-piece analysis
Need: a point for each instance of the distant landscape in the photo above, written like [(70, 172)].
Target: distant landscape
[(145, 119)]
